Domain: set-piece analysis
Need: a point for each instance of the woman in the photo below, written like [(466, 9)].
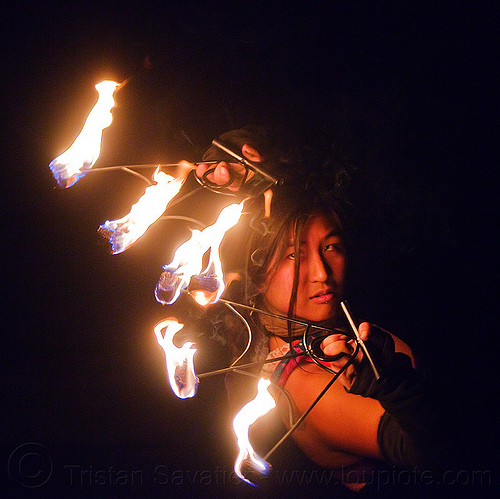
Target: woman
[(297, 267)]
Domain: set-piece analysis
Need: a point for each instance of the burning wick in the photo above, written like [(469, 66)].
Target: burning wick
[(247, 458), (188, 262), (203, 289), (268, 196), (76, 161), (180, 362), (124, 232)]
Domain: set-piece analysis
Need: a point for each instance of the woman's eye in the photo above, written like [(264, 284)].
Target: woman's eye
[(334, 247), (292, 255)]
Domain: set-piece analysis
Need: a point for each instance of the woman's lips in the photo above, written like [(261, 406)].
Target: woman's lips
[(322, 298)]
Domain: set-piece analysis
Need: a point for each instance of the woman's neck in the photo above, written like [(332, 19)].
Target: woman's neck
[(281, 327)]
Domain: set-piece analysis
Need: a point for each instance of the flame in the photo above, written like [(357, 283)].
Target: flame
[(180, 363), (188, 261), (74, 163), (253, 410), (268, 197), (126, 231)]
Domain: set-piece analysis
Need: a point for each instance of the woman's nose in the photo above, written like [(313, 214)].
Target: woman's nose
[(318, 268)]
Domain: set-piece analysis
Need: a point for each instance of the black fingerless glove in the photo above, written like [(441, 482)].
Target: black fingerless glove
[(407, 432)]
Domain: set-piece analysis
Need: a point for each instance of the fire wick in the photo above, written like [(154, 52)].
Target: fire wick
[(268, 196)]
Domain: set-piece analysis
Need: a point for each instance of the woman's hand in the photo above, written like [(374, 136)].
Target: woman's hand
[(336, 344), (221, 175)]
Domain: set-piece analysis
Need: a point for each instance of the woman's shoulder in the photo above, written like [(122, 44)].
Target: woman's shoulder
[(402, 347)]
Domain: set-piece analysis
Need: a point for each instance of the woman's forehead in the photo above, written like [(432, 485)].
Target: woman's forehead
[(317, 226)]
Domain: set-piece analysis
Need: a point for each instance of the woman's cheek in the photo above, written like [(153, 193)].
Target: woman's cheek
[(285, 282), (279, 289)]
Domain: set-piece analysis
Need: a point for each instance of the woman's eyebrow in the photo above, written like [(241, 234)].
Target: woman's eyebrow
[(334, 233), (291, 244)]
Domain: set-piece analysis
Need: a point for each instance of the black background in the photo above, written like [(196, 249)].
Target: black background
[(404, 91)]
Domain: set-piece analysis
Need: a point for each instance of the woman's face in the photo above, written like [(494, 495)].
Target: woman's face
[(321, 273)]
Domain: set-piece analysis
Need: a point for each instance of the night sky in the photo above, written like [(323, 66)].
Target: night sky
[(402, 95)]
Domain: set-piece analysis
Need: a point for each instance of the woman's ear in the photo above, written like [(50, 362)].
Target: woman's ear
[(252, 154)]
